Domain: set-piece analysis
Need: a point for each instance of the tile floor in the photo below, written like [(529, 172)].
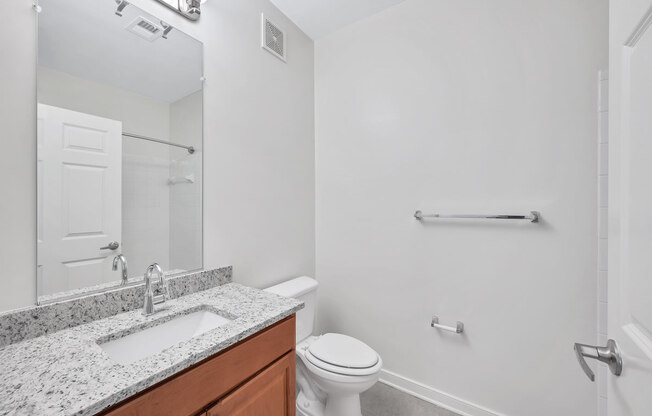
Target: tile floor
[(382, 400)]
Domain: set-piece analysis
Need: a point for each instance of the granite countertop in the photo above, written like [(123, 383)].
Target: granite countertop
[(67, 373)]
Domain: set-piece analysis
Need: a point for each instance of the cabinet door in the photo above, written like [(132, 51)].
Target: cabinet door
[(270, 393)]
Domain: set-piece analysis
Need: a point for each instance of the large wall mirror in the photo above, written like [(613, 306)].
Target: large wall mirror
[(119, 146)]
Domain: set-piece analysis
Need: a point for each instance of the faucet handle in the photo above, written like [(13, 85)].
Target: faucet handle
[(166, 289), (158, 299), (162, 292)]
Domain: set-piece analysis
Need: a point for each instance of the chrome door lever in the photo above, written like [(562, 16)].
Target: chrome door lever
[(609, 355), (113, 245)]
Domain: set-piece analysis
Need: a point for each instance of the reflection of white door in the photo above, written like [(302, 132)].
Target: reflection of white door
[(630, 205), (79, 198)]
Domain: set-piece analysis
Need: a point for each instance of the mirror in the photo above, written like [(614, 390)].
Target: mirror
[(119, 138)]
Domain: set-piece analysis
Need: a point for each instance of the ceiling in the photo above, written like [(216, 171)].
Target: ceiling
[(319, 18), (88, 40)]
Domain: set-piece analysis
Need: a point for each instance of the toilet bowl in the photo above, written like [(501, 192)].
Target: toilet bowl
[(340, 381), (332, 369)]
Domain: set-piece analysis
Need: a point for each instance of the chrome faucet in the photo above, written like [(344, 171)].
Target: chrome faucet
[(123, 260), (162, 290)]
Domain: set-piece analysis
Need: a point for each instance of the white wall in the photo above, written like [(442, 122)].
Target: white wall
[(259, 148), (476, 107), (18, 155), (259, 180)]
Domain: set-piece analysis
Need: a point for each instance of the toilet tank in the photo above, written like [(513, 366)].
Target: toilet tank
[(303, 288)]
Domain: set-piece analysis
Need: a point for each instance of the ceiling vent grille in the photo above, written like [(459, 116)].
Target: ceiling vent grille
[(145, 29), (148, 27), (273, 39)]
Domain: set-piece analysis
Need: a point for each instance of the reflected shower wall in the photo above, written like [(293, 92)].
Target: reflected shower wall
[(145, 206), (186, 189), (161, 193)]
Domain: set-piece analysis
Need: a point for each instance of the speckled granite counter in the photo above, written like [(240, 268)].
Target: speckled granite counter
[(67, 373)]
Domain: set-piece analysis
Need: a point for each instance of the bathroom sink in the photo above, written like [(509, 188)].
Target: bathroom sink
[(151, 341)]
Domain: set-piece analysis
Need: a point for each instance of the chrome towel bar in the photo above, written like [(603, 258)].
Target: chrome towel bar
[(458, 328), (533, 217)]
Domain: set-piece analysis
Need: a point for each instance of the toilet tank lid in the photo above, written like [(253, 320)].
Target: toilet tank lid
[(295, 287)]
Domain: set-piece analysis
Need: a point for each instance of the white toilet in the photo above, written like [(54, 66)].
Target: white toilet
[(332, 369)]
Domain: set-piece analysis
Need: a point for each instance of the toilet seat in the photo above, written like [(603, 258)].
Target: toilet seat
[(344, 355)]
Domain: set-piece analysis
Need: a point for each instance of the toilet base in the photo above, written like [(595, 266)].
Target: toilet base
[(335, 406), (343, 406), (307, 407)]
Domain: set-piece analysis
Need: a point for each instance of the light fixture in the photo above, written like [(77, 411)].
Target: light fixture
[(167, 29), (121, 5), (190, 9)]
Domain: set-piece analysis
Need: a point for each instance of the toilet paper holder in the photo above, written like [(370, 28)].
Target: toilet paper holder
[(458, 328)]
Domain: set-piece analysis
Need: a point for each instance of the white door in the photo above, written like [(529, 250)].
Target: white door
[(630, 205), (79, 198)]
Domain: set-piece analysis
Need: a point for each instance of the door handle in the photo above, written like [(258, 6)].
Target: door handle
[(113, 245), (609, 355)]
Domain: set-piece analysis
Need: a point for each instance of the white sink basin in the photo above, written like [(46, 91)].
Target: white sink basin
[(151, 341)]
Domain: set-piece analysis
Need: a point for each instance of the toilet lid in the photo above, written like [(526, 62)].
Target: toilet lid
[(343, 351)]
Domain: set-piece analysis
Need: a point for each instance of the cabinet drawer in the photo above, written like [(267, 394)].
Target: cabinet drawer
[(270, 393), (190, 391)]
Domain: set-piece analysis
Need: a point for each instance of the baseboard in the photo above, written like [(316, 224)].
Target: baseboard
[(439, 398)]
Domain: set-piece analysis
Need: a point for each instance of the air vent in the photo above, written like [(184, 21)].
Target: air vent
[(148, 27), (145, 29), (273, 39)]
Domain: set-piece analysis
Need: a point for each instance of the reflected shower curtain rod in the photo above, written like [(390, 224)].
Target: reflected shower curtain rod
[(190, 149)]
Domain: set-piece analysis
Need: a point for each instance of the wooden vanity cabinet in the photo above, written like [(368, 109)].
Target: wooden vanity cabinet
[(270, 393), (256, 376)]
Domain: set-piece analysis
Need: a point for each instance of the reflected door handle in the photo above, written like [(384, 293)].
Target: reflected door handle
[(113, 245), (609, 355)]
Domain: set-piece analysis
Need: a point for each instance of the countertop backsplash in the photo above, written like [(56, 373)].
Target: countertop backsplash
[(23, 324)]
